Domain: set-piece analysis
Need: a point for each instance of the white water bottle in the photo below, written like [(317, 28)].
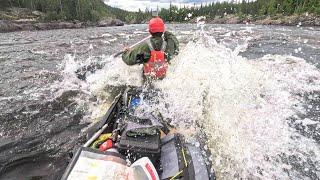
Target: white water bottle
[(143, 169)]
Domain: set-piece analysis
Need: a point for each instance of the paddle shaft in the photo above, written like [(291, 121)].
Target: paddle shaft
[(81, 73), (95, 136), (132, 46)]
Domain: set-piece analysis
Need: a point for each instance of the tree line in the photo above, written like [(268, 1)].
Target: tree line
[(69, 10), (94, 10), (246, 8)]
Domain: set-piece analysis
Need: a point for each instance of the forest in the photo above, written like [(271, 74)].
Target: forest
[(68, 10), (94, 10), (255, 9)]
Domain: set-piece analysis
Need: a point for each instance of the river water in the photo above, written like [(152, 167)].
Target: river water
[(253, 90)]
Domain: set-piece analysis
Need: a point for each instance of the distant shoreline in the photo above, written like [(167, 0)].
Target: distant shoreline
[(23, 19), (32, 25), (293, 20), (13, 26)]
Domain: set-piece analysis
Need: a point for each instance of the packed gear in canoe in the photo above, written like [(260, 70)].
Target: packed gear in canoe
[(123, 146)]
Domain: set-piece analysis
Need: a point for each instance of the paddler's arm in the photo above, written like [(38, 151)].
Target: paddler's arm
[(138, 55), (172, 45)]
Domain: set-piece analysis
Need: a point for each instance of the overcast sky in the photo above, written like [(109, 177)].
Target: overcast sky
[(134, 5)]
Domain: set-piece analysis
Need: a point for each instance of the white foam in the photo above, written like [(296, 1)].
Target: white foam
[(106, 35), (243, 105), (115, 73)]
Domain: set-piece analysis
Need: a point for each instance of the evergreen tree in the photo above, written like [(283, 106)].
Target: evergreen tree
[(93, 10), (272, 8), (288, 7)]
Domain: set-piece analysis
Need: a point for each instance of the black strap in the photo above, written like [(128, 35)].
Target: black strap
[(163, 46)]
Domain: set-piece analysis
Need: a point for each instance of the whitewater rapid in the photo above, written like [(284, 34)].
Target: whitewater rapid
[(247, 108)]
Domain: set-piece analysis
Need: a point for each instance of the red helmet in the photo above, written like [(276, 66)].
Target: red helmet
[(156, 25)]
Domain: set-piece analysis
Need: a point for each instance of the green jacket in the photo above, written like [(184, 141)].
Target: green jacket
[(141, 53)]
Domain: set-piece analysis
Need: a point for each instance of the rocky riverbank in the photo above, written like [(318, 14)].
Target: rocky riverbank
[(27, 25), (21, 19), (294, 20)]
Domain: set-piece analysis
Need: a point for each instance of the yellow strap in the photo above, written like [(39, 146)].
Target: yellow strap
[(184, 158), (176, 175), (129, 101), (185, 162)]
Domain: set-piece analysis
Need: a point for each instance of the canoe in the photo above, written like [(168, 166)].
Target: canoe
[(124, 146)]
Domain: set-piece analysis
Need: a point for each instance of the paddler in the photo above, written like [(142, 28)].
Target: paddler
[(155, 53)]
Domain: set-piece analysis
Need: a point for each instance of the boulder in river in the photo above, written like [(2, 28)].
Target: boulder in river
[(231, 19), (8, 26), (57, 25), (110, 22), (37, 13)]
